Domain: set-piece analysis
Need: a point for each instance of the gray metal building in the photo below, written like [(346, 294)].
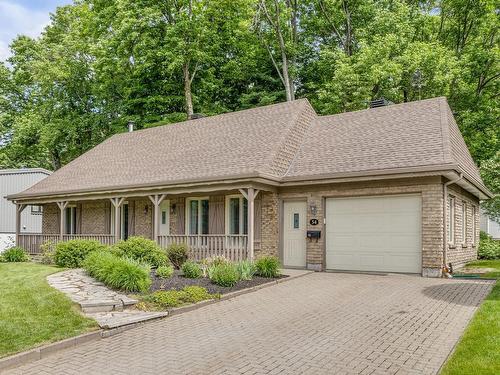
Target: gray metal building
[(13, 181)]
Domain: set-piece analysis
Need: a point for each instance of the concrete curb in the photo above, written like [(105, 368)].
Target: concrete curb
[(44, 351)]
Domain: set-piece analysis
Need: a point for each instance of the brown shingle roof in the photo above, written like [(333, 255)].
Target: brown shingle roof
[(284, 141), (415, 134)]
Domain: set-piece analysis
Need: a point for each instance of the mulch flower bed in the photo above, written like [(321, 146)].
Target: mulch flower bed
[(177, 282)]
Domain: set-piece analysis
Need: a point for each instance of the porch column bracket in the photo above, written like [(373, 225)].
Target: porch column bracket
[(117, 203), (250, 195), (19, 210), (62, 207), (156, 200)]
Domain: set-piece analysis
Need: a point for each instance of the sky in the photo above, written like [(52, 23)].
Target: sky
[(27, 17)]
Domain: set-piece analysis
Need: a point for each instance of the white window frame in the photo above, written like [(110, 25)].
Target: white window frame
[(451, 220), (188, 215), (72, 210), (36, 209), (464, 222), (122, 219), (227, 223), (473, 223)]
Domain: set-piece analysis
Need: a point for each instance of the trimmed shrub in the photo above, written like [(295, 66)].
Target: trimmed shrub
[(142, 250), (488, 247), (191, 270), (268, 266), (165, 272), (177, 254), (174, 298), (72, 253), (224, 274), (246, 270), (15, 254), (119, 273)]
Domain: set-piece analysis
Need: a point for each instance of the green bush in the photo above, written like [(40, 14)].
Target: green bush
[(15, 254), (72, 253), (142, 250), (224, 274), (119, 273), (488, 247), (174, 298), (48, 249), (178, 254), (191, 270), (246, 270), (208, 264), (267, 266), (165, 272)]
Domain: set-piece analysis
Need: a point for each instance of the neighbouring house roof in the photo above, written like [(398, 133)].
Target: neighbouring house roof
[(281, 142)]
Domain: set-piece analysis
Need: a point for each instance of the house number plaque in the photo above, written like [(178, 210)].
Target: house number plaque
[(314, 222)]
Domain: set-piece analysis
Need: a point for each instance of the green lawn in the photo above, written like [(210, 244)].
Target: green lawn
[(33, 313), (478, 352)]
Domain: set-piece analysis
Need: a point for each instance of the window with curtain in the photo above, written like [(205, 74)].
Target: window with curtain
[(70, 220), (197, 216), (451, 220), (464, 222), (473, 225), (237, 215)]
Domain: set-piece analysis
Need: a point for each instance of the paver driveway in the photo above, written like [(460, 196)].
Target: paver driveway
[(322, 323)]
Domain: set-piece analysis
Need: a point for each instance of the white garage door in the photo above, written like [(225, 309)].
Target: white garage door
[(380, 233)]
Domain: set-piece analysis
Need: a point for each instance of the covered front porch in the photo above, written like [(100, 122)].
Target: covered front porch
[(210, 222)]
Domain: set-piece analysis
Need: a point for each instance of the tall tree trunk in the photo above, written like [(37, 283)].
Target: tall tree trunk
[(56, 159), (348, 29), (287, 82), (187, 91)]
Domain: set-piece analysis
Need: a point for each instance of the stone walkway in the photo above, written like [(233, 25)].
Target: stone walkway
[(322, 323), (109, 308)]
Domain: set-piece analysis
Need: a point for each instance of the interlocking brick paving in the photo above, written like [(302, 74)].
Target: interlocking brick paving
[(322, 323)]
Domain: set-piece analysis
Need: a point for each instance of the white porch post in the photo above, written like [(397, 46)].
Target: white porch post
[(19, 210), (117, 202), (62, 208), (250, 195), (156, 200)]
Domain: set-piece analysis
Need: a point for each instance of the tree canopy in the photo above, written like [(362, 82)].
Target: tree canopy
[(102, 63)]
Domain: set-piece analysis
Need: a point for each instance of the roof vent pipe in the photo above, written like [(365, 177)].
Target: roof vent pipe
[(131, 126)]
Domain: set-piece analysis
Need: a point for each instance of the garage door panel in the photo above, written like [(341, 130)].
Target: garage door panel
[(374, 233)]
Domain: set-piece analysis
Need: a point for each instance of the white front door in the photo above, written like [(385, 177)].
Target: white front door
[(378, 233), (294, 234), (165, 218)]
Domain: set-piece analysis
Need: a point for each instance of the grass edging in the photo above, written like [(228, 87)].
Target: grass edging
[(42, 352)]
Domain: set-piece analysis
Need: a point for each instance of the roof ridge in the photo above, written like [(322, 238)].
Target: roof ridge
[(290, 143), (197, 120), (445, 131), (383, 108)]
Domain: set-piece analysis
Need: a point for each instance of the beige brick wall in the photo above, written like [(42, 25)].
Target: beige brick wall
[(143, 221), (269, 225), (432, 213), (463, 250), (50, 219), (95, 217)]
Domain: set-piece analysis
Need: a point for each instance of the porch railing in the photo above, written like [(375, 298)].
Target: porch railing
[(32, 242), (233, 247)]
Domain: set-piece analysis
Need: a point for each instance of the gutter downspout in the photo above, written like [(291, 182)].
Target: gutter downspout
[(445, 220)]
